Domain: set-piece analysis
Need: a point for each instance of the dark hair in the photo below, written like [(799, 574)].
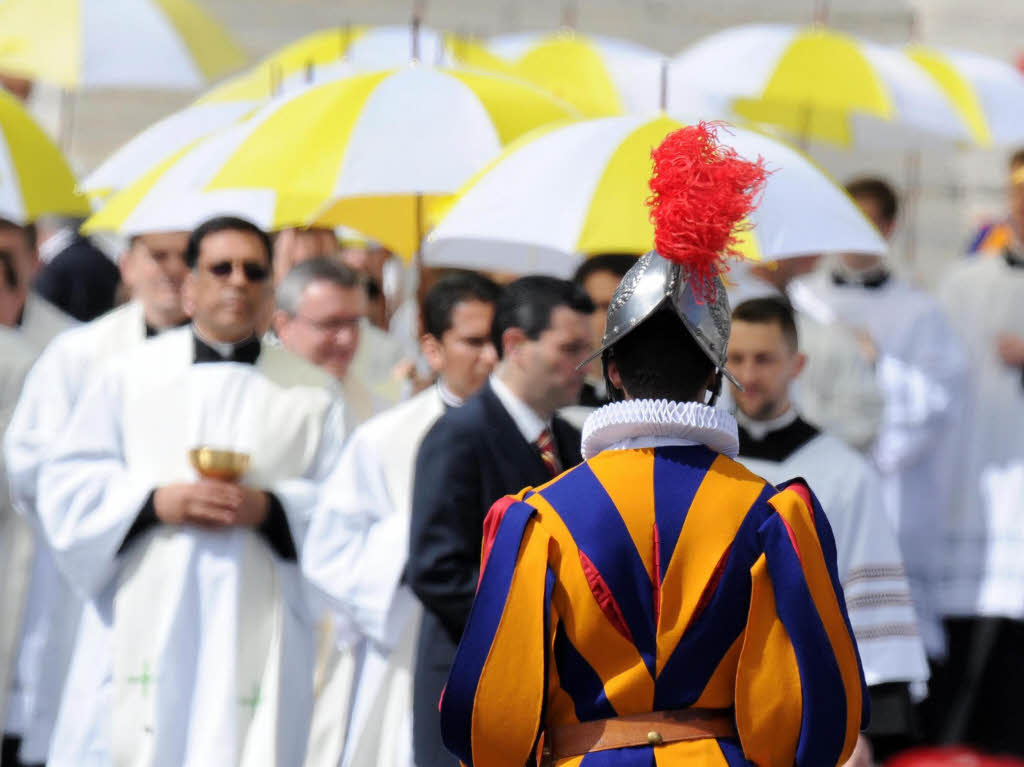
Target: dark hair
[(528, 302), (223, 224), (455, 288), (659, 359), (616, 263), (373, 291), (880, 191), (303, 274), (1017, 158), (770, 310), (7, 272), (28, 231)]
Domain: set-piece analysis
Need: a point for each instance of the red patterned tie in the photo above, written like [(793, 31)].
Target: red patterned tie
[(546, 447)]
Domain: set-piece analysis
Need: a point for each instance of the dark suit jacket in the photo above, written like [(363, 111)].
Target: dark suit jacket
[(80, 280), (471, 457)]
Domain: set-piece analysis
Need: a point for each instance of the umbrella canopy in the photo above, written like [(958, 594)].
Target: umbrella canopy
[(600, 76), (371, 151), (816, 84), (988, 93), (76, 44), (35, 179), (162, 140), (365, 151), (170, 198), (315, 58), (567, 192)]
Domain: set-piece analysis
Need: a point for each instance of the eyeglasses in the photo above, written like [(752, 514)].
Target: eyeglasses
[(253, 272), (333, 326)]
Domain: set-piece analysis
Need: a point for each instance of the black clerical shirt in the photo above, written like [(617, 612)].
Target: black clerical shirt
[(274, 527)]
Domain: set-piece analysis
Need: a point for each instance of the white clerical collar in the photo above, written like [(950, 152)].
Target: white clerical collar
[(641, 423), (530, 424), (760, 429), (448, 397), (223, 348)]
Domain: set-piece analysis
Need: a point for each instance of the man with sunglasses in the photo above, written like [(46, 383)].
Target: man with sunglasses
[(195, 642)]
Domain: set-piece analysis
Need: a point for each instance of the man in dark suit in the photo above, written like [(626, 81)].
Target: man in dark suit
[(504, 438), (77, 277)]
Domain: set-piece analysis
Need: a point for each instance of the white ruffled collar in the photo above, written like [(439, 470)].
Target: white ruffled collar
[(650, 423)]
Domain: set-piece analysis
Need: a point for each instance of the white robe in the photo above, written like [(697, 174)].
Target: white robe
[(374, 479), (195, 645), (51, 621), (982, 562), (870, 566), (41, 321), (16, 356), (336, 662), (837, 389), (921, 371)]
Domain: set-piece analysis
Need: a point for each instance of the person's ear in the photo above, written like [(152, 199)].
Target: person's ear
[(278, 321), (799, 363), (126, 266), (188, 294), (433, 352), (511, 341), (614, 375)]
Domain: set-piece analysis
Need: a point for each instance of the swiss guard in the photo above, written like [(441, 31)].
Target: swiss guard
[(659, 604)]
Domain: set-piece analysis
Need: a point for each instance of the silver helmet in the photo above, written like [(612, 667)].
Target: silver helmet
[(655, 282)]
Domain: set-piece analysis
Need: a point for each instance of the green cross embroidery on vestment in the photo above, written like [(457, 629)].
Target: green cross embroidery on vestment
[(252, 701), (143, 680)]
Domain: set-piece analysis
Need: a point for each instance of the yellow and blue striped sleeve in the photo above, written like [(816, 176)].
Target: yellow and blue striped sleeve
[(493, 704), (800, 692)]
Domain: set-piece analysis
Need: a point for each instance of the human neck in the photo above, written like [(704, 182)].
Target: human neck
[(161, 320), (215, 338), (517, 385), (759, 427)]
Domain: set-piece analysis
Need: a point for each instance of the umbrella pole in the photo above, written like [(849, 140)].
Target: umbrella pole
[(913, 170), (413, 288), (805, 129), (414, 29), (67, 119), (663, 97)]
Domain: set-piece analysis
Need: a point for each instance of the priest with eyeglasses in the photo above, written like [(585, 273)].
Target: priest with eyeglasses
[(176, 502)]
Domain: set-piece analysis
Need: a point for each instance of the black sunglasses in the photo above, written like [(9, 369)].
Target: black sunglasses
[(253, 272)]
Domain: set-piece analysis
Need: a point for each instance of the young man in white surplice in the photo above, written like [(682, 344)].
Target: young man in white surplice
[(153, 270), (195, 646), (778, 444), (376, 475)]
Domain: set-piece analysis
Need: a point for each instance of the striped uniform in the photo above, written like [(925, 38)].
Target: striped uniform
[(992, 239), (656, 579)]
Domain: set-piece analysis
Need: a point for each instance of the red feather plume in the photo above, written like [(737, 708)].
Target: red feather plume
[(701, 191)]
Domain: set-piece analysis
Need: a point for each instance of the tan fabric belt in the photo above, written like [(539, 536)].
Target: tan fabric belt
[(650, 729)]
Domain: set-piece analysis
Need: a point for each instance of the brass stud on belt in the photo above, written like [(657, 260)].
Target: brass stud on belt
[(654, 738)]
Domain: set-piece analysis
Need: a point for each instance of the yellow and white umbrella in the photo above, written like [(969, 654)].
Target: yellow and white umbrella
[(162, 140), (986, 92), (35, 179), (328, 53), (76, 44), (815, 84), (600, 76), (561, 194), (370, 152)]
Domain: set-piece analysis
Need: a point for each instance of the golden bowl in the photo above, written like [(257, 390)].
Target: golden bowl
[(214, 463)]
